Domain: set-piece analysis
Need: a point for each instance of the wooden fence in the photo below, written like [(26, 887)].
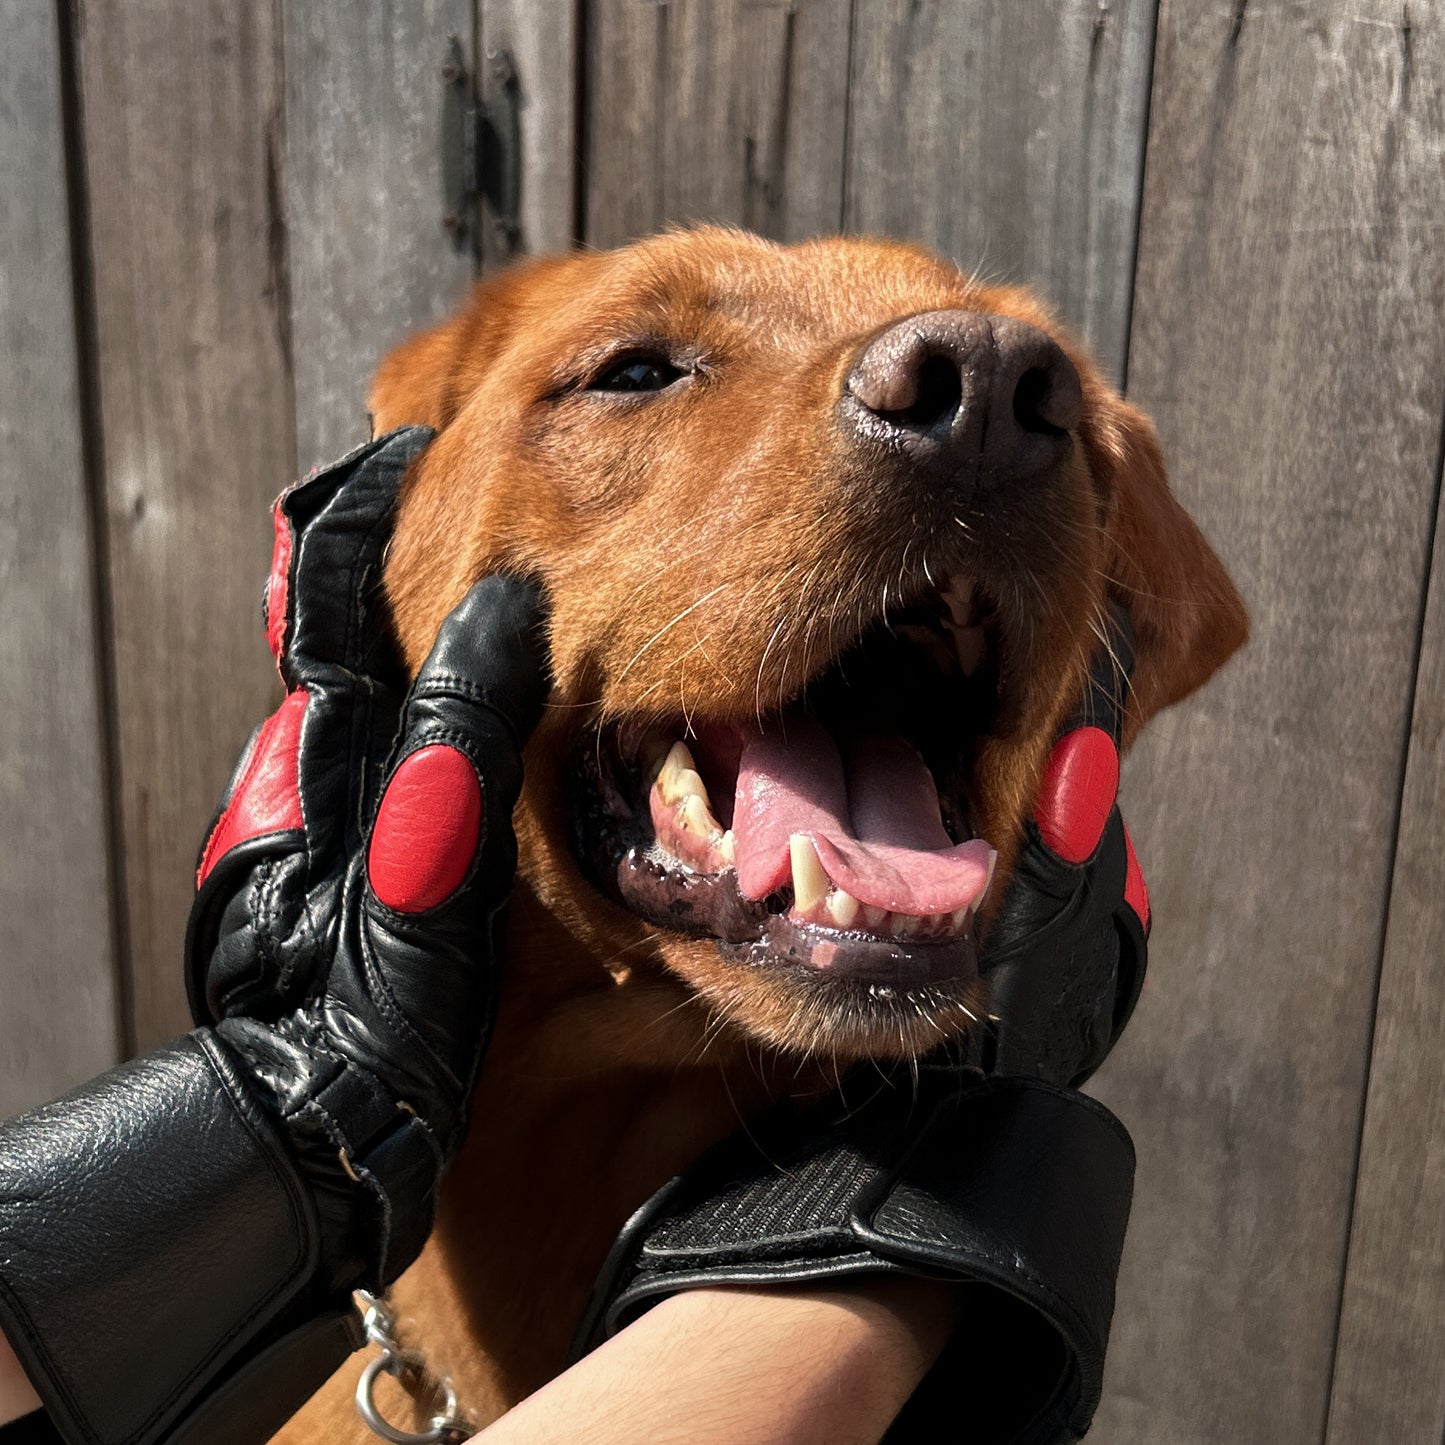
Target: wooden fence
[(216, 215)]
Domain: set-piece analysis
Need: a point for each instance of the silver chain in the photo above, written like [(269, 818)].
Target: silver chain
[(409, 1367)]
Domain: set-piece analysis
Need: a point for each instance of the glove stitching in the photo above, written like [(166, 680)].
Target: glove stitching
[(263, 900), (450, 685)]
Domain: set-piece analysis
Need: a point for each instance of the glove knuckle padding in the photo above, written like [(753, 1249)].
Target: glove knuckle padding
[(487, 655), (341, 519)]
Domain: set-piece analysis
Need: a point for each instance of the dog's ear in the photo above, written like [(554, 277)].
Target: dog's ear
[(414, 385), (1187, 614), (426, 380)]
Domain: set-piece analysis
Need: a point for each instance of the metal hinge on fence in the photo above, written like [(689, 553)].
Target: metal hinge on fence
[(481, 161)]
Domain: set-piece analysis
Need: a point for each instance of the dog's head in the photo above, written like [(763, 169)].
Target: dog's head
[(829, 532)]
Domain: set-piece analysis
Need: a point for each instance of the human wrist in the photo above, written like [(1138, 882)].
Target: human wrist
[(856, 1349), (810, 1364)]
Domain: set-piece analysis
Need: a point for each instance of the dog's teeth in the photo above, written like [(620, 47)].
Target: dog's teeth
[(988, 881), (810, 882), (909, 925), (875, 918), (958, 919), (843, 908), (678, 778), (726, 847), (693, 817)]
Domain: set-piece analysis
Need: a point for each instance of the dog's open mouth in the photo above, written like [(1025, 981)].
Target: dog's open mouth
[(832, 833)]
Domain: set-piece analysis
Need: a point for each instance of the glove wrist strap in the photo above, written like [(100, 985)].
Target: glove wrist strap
[(1017, 1187), (168, 1256)]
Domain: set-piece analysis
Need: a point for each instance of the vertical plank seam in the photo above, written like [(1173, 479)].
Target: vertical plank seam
[(278, 230), (581, 115), (1153, 44), (1427, 572), (661, 71), (92, 454), (475, 62), (847, 115)]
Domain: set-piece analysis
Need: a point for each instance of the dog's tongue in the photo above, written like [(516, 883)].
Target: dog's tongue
[(871, 812)]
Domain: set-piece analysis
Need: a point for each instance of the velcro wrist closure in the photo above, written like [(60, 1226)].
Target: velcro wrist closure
[(154, 1239), (1017, 1187)]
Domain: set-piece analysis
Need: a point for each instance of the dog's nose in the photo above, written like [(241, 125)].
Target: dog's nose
[(968, 395)]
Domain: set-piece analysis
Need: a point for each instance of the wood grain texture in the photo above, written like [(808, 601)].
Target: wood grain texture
[(716, 110), (183, 149), (1287, 338), (58, 1005), (541, 38), (1009, 137), (369, 258), (1389, 1379)]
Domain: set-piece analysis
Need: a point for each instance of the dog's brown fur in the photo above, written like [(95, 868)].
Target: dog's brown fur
[(706, 553)]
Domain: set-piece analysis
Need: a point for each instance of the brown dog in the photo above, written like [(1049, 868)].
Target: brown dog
[(841, 522)]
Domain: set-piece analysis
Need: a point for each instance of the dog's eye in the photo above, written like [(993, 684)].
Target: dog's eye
[(637, 373)]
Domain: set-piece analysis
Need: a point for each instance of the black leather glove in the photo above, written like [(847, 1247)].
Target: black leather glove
[(985, 1168), (178, 1239)]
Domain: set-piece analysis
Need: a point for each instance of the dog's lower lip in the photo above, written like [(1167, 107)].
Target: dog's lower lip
[(768, 932), (860, 956)]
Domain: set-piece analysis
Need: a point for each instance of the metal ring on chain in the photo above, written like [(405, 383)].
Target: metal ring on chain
[(405, 1366), (443, 1424)]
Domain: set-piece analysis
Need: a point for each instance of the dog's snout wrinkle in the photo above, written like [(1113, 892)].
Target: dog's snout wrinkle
[(969, 395)]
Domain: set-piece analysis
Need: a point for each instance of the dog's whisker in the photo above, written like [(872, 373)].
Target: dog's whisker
[(663, 631)]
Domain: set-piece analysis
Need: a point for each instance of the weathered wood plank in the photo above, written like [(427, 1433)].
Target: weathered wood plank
[(1010, 137), (541, 38), (183, 147), (716, 110), (1389, 1381), (369, 257), (1287, 338), (58, 1015)]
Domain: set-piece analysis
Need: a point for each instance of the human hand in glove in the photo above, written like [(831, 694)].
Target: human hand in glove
[(986, 1167), (178, 1239)]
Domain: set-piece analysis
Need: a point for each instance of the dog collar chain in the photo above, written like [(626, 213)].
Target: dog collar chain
[(411, 1370)]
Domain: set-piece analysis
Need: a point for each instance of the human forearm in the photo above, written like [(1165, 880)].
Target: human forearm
[(17, 1396), (736, 1366)]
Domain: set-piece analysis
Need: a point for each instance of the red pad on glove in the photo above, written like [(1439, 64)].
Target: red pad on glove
[(267, 798), (426, 830), (1077, 794), (1136, 893), (278, 585)]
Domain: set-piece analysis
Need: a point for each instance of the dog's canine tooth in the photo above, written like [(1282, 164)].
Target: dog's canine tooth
[(679, 778), (727, 847), (958, 919), (810, 882), (843, 908), (694, 816), (988, 880)]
